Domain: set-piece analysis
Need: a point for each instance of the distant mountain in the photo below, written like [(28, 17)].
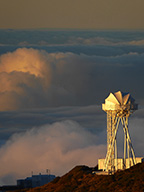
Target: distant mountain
[(81, 179)]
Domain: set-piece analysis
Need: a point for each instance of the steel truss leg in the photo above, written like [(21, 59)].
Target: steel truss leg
[(127, 142), (112, 149)]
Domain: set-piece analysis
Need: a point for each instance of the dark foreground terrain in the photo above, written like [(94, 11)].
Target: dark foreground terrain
[(81, 179)]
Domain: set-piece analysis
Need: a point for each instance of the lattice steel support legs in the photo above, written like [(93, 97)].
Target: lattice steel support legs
[(111, 160)]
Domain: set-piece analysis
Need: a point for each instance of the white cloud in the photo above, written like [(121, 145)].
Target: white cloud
[(58, 147)]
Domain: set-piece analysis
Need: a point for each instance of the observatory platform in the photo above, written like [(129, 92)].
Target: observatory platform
[(101, 163), (118, 106), (119, 102)]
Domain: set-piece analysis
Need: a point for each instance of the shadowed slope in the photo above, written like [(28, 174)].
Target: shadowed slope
[(81, 179)]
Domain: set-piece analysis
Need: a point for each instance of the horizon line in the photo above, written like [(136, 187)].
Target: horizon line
[(71, 29)]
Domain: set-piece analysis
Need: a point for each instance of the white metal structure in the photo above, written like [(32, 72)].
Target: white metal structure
[(118, 107)]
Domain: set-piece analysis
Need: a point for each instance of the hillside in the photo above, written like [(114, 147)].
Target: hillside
[(81, 179)]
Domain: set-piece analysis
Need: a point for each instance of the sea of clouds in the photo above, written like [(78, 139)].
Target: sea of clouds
[(51, 89)]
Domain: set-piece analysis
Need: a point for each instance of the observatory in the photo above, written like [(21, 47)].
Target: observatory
[(118, 107)]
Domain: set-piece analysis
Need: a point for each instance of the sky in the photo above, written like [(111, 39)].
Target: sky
[(51, 90), (76, 14)]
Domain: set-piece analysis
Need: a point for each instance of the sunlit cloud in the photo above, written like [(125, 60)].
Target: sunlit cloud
[(33, 78), (24, 60)]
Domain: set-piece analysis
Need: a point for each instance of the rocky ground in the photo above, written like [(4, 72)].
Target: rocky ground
[(81, 179)]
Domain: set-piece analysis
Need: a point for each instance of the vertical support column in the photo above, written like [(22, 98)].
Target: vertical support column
[(115, 133), (113, 146), (125, 142), (130, 149), (108, 159), (111, 157), (109, 135), (125, 120), (109, 127)]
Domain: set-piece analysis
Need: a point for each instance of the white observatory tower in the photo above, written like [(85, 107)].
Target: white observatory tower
[(118, 107)]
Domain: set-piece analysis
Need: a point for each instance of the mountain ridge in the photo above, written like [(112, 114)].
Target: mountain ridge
[(81, 179)]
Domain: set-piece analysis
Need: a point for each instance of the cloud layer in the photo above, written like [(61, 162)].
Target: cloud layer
[(32, 78), (58, 147)]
